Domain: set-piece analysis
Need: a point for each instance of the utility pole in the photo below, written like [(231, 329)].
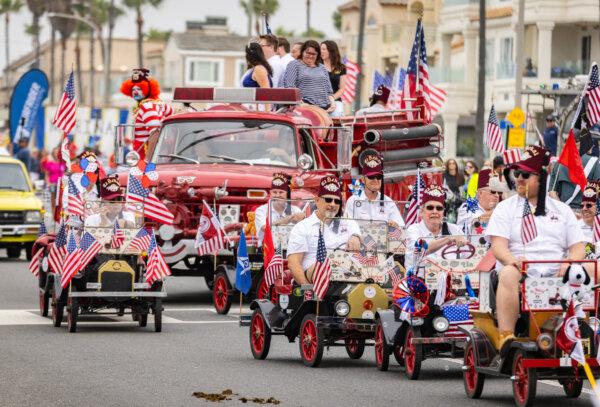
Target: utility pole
[(308, 18), (520, 33), (359, 58), (479, 116)]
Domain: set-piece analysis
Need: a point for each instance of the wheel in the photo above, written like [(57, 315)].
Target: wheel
[(44, 300), (413, 354), (29, 251), (57, 310), (473, 380), (382, 350), (355, 348), (221, 298), (13, 252), (399, 354), (311, 341), (157, 316), (72, 314), (573, 387), (260, 335), (142, 320), (525, 381)]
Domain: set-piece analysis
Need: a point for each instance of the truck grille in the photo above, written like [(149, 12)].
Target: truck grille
[(12, 217)]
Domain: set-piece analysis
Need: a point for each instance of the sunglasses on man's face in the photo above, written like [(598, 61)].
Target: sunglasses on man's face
[(377, 177), (434, 208), (333, 200), (588, 205), (522, 174), (499, 193)]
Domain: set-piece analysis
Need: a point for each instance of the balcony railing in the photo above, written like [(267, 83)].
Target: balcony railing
[(568, 69)]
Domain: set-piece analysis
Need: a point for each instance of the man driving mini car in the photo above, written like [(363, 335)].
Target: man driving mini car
[(282, 212), (107, 214), (373, 204), (588, 210), (337, 233), (432, 225), (555, 235), (487, 199)]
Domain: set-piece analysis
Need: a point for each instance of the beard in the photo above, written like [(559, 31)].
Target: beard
[(330, 214)]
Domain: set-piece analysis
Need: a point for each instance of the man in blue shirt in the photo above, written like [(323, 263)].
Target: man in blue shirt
[(551, 135), (23, 154)]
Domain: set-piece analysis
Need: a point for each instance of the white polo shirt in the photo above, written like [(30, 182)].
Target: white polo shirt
[(587, 230), (285, 60), (556, 232), (304, 237), (277, 67), (359, 207), (260, 218), (418, 231), (464, 218)]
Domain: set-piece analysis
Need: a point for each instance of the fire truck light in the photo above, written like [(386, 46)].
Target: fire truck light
[(256, 193), (281, 96)]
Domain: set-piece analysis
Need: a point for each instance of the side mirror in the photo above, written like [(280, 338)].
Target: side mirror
[(123, 142), (345, 136), (305, 162), (132, 158)]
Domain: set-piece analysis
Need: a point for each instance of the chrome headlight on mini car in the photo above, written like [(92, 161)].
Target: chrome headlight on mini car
[(545, 341), (441, 324), (33, 216), (342, 308), (132, 158)]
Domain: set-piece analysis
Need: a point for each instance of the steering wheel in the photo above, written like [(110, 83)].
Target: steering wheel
[(455, 252)]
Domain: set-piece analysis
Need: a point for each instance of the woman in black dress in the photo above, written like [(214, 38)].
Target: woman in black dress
[(330, 54)]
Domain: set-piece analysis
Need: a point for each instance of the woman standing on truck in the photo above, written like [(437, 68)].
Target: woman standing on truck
[(337, 73), (310, 76), (259, 74)]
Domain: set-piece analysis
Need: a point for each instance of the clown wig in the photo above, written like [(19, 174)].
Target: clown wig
[(150, 87)]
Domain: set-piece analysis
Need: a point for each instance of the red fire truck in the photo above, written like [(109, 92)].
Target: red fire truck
[(225, 154)]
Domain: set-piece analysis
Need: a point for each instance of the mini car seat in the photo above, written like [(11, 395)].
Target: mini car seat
[(283, 283)]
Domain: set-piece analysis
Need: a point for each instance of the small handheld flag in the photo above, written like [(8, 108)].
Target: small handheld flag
[(243, 277)]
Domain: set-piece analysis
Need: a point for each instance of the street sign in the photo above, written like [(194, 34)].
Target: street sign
[(516, 117), (516, 138)]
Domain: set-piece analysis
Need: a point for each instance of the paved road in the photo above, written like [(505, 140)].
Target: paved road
[(112, 362)]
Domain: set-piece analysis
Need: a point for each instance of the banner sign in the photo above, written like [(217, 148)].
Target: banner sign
[(26, 103)]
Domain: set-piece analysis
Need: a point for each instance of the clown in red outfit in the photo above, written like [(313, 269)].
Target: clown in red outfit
[(150, 110)]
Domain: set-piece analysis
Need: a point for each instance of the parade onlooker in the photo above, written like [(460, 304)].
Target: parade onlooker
[(332, 60), (283, 50), (54, 170), (269, 47), (471, 174), (453, 180), (34, 170), (551, 134), (259, 74), (296, 50), (310, 76), (378, 101), (24, 155)]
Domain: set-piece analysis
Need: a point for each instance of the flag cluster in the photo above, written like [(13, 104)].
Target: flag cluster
[(210, 237), (352, 72), (139, 199), (322, 272), (156, 268)]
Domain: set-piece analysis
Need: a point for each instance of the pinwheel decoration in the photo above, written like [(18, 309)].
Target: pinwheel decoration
[(86, 171), (412, 296), (472, 204), (356, 187), (147, 172)]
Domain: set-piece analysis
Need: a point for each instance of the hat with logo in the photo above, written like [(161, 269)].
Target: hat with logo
[(483, 179), (110, 187), (330, 185), (590, 193), (534, 159), (434, 193), (281, 181), (372, 164)]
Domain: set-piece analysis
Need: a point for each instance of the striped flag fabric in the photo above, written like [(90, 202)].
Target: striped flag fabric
[(593, 94), (361, 258), (322, 272), (152, 206), (528, 227), (58, 249), (596, 227), (75, 202), (395, 233), (493, 134), (511, 156), (157, 268), (394, 102), (352, 73), (72, 261), (273, 259), (458, 315), (210, 236), (34, 264), (118, 238), (90, 247), (43, 230), (412, 213), (66, 113), (141, 241)]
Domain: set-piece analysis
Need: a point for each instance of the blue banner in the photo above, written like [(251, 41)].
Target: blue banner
[(26, 105)]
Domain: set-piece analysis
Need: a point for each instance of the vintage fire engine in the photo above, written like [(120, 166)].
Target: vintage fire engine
[(225, 154)]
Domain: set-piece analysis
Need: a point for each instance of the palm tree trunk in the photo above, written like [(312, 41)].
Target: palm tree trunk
[(108, 59), (7, 50), (78, 64), (249, 14), (63, 57), (140, 36), (36, 39), (92, 68), (52, 63), (307, 17), (479, 118)]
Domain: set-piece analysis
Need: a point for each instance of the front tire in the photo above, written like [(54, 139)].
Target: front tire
[(260, 335), (355, 348), (222, 298), (57, 310), (413, 354), (473, 380), (382, 350), (525, 383), (157, 316), (72, 314), (573, 388), (311, 341)]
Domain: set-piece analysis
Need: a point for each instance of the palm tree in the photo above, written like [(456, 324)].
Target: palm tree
[(37, 9), (7, 7), (262, 7), (307, 16), (478, 154), (65, 26), (98, 14), (113, 13), (137, 6), (80, 28), (246, 5)]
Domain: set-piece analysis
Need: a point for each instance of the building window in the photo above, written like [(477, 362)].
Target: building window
[(489, 59), (204, 71), (240, 69), (586, 52), (371, 22)]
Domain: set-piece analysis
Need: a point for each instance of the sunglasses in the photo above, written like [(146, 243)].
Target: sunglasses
[(522, 174), (311, 54), (434, 208), (377, 177), (333, 200), (587, 205), (499, 193)]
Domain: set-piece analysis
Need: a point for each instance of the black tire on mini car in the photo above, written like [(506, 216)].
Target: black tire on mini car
[(72, 314), (355, 348), (472, 380), (142, 320), (382, 350), (222, 299), (158, 315), (259, 335), (413, 354), (573, 388), (399, 354), (525, 383), (310, 341), (57, 310)]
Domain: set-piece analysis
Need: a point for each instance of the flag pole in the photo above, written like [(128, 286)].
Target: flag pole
[(240, 303)]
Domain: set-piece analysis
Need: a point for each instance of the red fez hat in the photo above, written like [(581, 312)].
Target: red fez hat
[(534, 159), (281, 181), (590, 193), (372, 164), (330, 186), (382, 93), (434, 193), (483, 180), (110, 187)]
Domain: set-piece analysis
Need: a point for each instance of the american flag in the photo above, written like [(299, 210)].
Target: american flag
[(118, 238), (528, 228), (597, 223), (364, 259), (152, 206), (352, 73), (74, 200), (511, 156), (394, 233), (274, 268), (90, 247), (58, 249), (34, 264), (382, 80), (157, 266), (210, 236), (394, 102), (493, 135), (72, 261), (370, 243), (322, 272), (458, 315), (43, 231), (66, 113), (393, 270), (593, 93), (412, 213), (416, 84), (141, 241)]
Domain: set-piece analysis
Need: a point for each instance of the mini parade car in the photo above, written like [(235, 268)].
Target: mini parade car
[(534, 354), (430, 308), (344, 317), (114, 279)]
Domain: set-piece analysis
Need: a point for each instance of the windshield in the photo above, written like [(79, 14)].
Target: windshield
[(12, 177), (238, 142)]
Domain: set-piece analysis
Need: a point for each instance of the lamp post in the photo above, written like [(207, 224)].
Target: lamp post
[(98, 32)]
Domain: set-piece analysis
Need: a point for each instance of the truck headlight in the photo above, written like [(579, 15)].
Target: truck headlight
[(342, 308), (33, 216)]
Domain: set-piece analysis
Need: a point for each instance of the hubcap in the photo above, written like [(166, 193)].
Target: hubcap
[(409, 352), (220, 290), (379, 345), (257, 333), (309, 345), (521, 383), (470, 372)]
